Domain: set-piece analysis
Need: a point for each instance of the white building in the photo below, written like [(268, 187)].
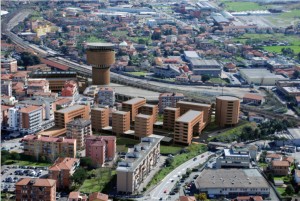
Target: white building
[(234, 157), (8, 100), (106, 96), (13, 118), (188, 55)]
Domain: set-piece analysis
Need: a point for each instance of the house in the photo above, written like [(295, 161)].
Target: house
[(280, 168), (272, 157), (96, 196), (77, 196), (251, 98)]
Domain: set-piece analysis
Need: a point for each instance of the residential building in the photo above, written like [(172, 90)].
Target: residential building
[(70, 89), (133, 106), (30, 118), (232, 183), (150, 110), (8, 100), (234, 158), (205, 108), (170, 116), (64, 116), (280, 168), (143, 125), (99, 118), (49, 147), (138, 163), (36, 189), (289, 87), (120, 122), (13, 118), (77, 196), (62, 171), (79, 129), (227, 111), (273, 157), (169, 100), (6, 87), (10, 64), (186, 125), (20, 76), (254, 99), (106, 96), (96, 196), (100, 149), (37, 85), (4, 115)]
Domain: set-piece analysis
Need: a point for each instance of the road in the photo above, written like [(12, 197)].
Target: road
[(167, 185)]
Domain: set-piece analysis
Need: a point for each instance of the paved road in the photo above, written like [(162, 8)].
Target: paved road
[(167, 185)]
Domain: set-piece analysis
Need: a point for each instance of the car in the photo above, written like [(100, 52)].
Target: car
[(172, 193), (194, 159), (165, 191), (202, 156), (160, 198), (172, 180)]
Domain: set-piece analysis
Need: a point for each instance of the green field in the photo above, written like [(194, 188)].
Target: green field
[(242, 6), (93, 39), (281, 190), (170, 149), (293, 40), (277, 49), (26, 163), (139, 73), (291, 14)]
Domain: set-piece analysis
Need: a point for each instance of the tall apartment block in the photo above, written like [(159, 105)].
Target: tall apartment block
[(49, 147), (170, 116), (79, 129), (143, 125), (30, 118), (35, 189), (169, 100), (120, 122), (227, 111), (138, 163), (100, 149), (106, 96), (10, 64), (6, 87), (64, 116), (101, 56), (100, 118), (186, 125), (205, 108), (150, 110), (62, 171), (133, 106)]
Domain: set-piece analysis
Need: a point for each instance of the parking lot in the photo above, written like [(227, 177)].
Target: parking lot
[(10, 174)]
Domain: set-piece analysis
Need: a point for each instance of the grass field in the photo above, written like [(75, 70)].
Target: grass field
[(139, 73), (293, 40), (243, 6), (217, 81), (291, 14), (277, 49), (27, 163), (94, 39), (281, 190), (124, 143), (170, 149)]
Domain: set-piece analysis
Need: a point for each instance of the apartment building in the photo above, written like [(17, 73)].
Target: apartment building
[(227, 111), (37, 85), (70, 89), (31, 118), (170, 116), (79, 129), (138, 163), (169, 100), (150, 110), (120, 122), (280, 168), (6, 87), (36, 189), (100, 118), (62, 170), (234, 158), (253, 99), (49, 147), (106, 96), (133, 106), (10, 64), (143, 125), (64, 116), (186, 125), (205, 108), (100, 149)]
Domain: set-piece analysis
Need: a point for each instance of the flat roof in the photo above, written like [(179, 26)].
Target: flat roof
[(133, 101), (201, 62), (189, 116), (143, 116), (231, 178), (120, 112), (195, 104), (228, 98), (191, 54), (295, 132), (259, 73), (97, 45), (172, 108), (71, 108)]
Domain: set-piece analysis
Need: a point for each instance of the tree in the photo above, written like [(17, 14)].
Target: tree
[(289, 189), (205, 78), (169, 162), (28, 59), (64, 50), (79, 176), (270, 177), (141, 41), (201, 197), (296, 74), (15, 156), (86, 162)]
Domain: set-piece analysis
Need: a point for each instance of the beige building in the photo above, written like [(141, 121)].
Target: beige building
[(79, 129), (150, 110), (133, 106), (100, 118), (143, 125), (138, 163), (205, 108), (186, 125), (120, 122), (227, 111), (169, 100), (64, 116), (170, 116)]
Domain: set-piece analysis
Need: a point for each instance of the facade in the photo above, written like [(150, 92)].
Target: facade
[(253, 99), (79, 129), (62, 170), (186, 125), (205, 108), (227, 111), (120, 122), (99, 118), (133, 106), (100, 149), (169, 100), (49, 147), (234, 158), (6, 87), (64, 116), (280, 168), (106, 96), (143, 125), (150, 110), (138, 163), (36, 189), (170, 116), (10, 64), (101, 56), (37, 86), (232, 183), (30, 118)]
